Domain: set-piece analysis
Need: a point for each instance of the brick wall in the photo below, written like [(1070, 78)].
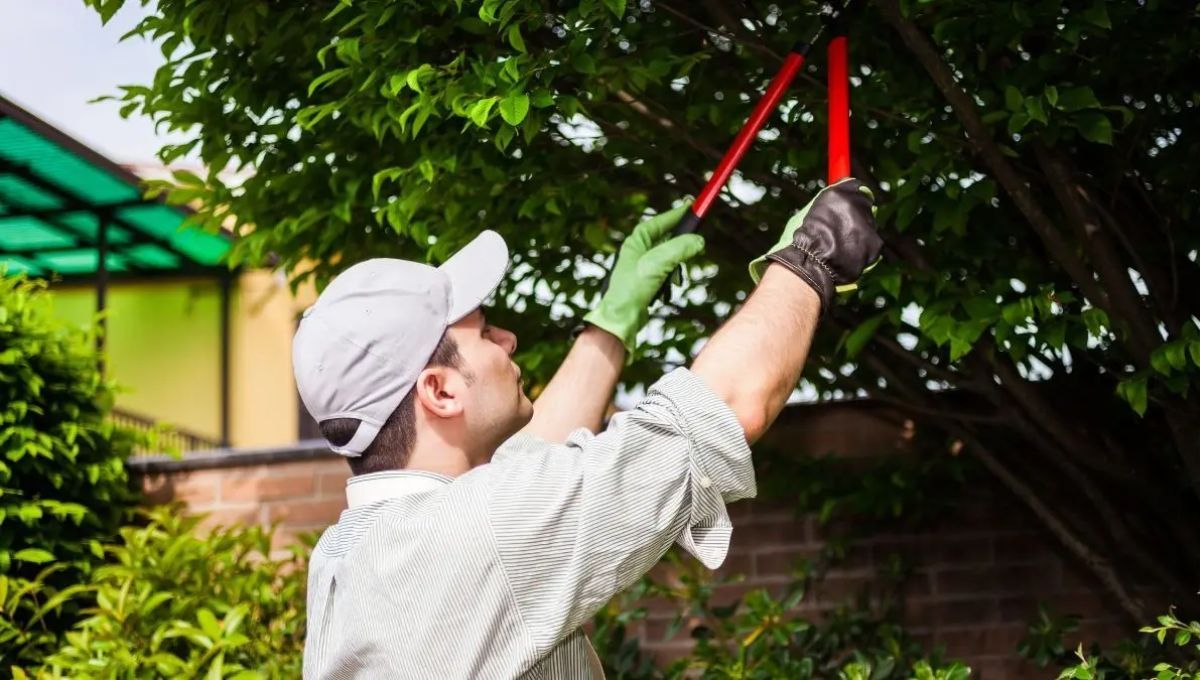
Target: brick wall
[(976, 584), (977, 581), (268, 487)]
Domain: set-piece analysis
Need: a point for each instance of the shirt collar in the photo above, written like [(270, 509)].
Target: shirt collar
[(380, 486)]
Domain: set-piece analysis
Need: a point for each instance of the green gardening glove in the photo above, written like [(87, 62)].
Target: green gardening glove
[(646, 259)]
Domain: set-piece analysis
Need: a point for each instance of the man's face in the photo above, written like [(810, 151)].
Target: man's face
[(496, 406)]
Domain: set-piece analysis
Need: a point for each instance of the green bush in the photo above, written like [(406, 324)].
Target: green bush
[(176, 602), (764, 636), (1167, 651), (63, 484)]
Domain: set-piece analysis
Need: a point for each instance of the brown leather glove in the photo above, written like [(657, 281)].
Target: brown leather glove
[(829, 243)]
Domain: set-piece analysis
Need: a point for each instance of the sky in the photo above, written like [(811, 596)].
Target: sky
[(55, 57)]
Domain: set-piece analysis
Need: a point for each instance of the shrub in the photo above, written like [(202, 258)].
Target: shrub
[(1167, 651), (175, 602), (63, 483)]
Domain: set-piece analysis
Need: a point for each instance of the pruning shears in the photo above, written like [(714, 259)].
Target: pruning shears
[(838, 84)]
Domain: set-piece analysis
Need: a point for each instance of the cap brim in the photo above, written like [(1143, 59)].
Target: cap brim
[(475, 272)]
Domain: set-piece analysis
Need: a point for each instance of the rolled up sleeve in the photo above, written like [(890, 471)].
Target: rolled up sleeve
[(577, 523)]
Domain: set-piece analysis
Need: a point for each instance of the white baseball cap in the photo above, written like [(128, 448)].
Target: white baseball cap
[(359, 349)]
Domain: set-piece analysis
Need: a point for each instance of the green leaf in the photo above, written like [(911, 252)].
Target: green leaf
[(34, 555), (1033, 107), (584, 63), (1097, 15), (487, 11), (1051, 94), (1077, 99), (327, 78), (515, 39), (1095, 127), (514, 108), (860, 336), (1017, 122), (617, 7), (480, 110), (208, 623), (1133, 391), (414, 77), (1012, 98), (890, 282), (1176, 353)]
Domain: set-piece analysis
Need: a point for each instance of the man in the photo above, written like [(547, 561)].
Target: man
[(482, 530)]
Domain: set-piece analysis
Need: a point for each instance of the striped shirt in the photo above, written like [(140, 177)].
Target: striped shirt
[(491, 574)]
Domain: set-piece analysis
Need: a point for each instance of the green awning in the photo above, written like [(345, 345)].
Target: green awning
[(56, 193)]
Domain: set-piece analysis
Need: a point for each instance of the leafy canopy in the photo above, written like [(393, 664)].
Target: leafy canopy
[(1031, 162)]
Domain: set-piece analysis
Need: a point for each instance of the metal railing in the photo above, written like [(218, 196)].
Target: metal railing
[(165, 437)]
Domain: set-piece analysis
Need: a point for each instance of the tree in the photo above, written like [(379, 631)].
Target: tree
[(1031, 161)]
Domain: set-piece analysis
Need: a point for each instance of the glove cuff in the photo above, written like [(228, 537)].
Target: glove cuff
[(810, 269), (600, 318)]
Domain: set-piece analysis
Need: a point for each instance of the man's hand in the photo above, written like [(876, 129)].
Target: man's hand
[(644, 262), (830, 243)]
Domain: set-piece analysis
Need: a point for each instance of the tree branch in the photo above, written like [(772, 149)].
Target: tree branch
[(982, 144), (1098, 565), (1102, 253)]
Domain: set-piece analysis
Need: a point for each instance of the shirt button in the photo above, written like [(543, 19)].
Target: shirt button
[(705, 482)]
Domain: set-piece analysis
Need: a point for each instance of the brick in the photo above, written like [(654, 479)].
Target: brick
[(1009, 667), (1104, 633), (838, 588), (957, 550), (190, 488), (306, 514), (758, 535), (1037, 578), (258, 488), (303, 467), (667, 653), (1086, 605), (964, 612), (657, 629), (734, 566), (725, 595), (995, 639), (782, 561), (156, 489), (333, 483), (919, 583), (238, 516), (1018, 608), (740, 512), (1021, 548)]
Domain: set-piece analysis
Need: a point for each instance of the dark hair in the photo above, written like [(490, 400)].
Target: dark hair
[(394, 443)]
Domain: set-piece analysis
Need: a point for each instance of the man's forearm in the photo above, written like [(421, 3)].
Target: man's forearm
[(582, 388), (754, 361)]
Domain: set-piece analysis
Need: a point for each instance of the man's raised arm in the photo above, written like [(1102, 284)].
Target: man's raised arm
[(582, 387), (754, 361)]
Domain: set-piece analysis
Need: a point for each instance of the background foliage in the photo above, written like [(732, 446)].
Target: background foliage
[(63, 485), (1031, 160), (172, 601)]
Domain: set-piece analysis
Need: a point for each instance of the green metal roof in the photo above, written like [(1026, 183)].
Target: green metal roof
[(54, 195)]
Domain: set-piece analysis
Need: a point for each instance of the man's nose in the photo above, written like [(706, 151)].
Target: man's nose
[(506, 339)]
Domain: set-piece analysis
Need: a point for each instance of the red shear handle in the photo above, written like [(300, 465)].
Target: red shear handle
[(839, 109), (763, 110)]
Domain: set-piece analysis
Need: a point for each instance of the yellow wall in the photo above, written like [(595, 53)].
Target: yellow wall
[(163, 348), (264, 406)]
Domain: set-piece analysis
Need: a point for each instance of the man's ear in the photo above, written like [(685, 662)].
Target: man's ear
[(440, 391)]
